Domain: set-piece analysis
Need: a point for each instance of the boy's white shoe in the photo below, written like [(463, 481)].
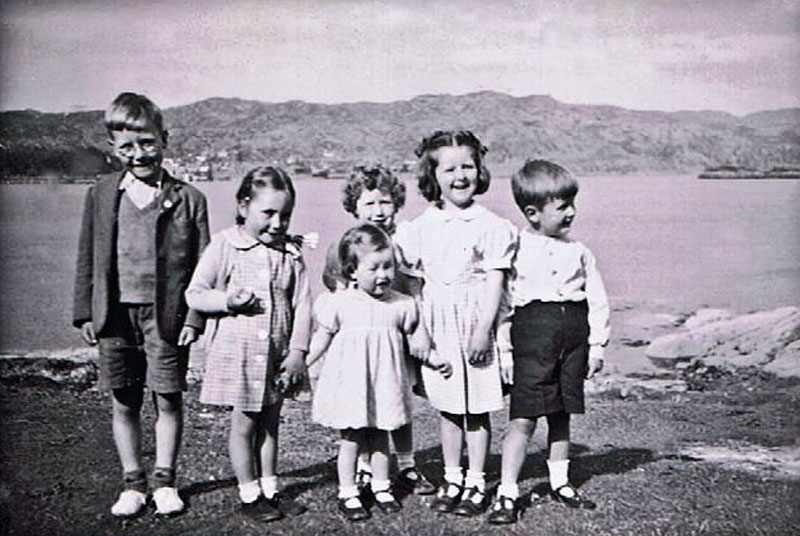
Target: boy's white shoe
[(130, 502), (167, 500)]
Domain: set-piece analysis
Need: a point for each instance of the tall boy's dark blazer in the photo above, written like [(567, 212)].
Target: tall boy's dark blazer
[(181, 235)]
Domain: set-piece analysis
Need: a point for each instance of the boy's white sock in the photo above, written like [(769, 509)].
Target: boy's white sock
[(558, 473), (269, 485), (475, 479), (249, 492), (508, 490), (348, 492), (405, 460)]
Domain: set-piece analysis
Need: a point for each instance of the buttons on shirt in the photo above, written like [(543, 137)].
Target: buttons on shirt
[(260, 358)]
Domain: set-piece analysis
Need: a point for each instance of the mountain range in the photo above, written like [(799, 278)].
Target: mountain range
[(588, 139)]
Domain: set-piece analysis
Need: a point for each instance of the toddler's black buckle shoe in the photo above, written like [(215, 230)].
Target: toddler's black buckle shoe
[(261, 510), (356, 510), (287, 505), (445, 501), (387, 502), (412, 480), (574, 500), (504, 511), (473, 503)]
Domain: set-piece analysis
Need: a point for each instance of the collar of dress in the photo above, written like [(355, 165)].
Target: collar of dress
[(544, 240), (468, 214), (241, 240)]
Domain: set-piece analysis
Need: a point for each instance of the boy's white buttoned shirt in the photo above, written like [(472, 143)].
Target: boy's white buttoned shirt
[(560, 270)]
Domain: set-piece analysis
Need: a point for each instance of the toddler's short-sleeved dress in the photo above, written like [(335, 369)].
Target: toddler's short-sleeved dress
[(453, 252), (244, 351), (364, 381)]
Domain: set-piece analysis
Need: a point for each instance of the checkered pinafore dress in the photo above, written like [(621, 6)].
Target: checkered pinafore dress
[(245, 351)]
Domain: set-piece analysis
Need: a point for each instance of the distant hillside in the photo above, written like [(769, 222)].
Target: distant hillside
[(587, 139)]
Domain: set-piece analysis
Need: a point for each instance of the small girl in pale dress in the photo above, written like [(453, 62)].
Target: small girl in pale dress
[(463, 252), (364, 384), (251, 281)]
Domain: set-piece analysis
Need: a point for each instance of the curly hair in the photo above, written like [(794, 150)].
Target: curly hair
[(426, 152), (368, 178), (264, 177), (539, 181), (358, 240)]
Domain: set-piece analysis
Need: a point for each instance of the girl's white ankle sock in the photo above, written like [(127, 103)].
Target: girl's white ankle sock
[(453, 475), (558, 473), (475, 479), (363, 464), (508, 490), (269, 485), (405, 460), (249, 492), (380, 485), (348, 492)]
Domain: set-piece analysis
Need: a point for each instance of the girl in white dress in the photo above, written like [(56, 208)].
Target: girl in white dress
[(463, 252), (364, 384)]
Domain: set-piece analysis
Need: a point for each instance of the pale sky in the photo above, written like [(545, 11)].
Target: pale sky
[(738, 56)]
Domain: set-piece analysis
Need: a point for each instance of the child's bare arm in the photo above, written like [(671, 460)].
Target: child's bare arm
[(319, 345), (478, 350)]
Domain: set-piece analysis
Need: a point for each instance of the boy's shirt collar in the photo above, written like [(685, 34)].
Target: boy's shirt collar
[(139, 192)]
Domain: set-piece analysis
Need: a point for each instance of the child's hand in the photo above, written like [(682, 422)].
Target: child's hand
[(87, 332), (419, 344), (293, 371), (478, 349), (595, 366), (442, 365), (241, 301), (187, 336), (507, 373)]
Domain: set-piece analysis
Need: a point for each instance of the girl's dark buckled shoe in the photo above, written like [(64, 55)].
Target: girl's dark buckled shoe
[(575, 501), (504, 511), (473, 503), (354, 512), (444, 501)]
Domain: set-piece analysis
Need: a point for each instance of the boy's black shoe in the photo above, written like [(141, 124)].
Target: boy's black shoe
[(412, 480), (387, 502), (355, 512), (504, 511), (445, 503), (473, 503), (286, 505), (576, 500), (260, 510)]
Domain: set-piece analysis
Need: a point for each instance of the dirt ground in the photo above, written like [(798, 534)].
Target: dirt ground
[(641, 458)]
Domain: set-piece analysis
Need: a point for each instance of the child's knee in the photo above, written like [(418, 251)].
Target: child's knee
[(169, 403), (127, 401), (524, 427)]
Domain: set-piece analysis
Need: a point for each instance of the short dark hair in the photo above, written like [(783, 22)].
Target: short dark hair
[(357, 240), (539, 181), (426, 152), (372, 178), (132, 111), (264, 177)]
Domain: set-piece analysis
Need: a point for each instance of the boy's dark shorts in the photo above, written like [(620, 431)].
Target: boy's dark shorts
[(551, 356), (133, 354)]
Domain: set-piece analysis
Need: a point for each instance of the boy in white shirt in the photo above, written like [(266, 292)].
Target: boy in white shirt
[(558, 330)]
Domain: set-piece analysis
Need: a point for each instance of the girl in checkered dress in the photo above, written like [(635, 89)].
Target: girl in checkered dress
[(252, 284), (463, 252)]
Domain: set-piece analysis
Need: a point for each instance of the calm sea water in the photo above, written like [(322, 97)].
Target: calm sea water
[(671, 239)]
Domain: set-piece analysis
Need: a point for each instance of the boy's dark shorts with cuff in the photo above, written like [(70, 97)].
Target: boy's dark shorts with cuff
[(551, 356), (133, 354)]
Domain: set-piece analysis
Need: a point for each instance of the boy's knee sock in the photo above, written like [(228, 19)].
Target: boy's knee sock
[(558, 473), (135, 480), (249, 492), (164, 477), (405, 460), (475, 479), (269, 485)]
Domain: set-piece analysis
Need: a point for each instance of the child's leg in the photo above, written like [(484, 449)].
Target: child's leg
[(407, 473), (479, 431), (346, 463), (126, 406), (452, 431), (240, 448), (381, 487), (169, 428), (266, 440), (558, 441), (514, 449)]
